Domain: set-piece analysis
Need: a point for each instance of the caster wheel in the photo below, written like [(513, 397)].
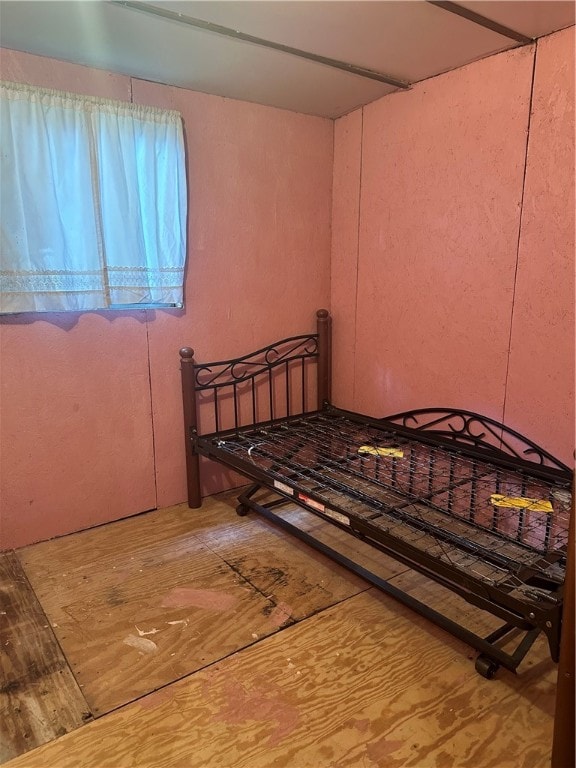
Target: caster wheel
[(486, 667), (242, 510)]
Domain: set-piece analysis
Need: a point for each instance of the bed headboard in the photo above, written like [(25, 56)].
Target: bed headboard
[(285, 378)]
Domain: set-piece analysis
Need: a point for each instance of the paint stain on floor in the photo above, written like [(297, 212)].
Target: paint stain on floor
[(189, 597), (256, 700), (141, 644)]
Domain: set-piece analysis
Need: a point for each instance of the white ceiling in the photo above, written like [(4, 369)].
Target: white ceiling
[(408, 41)]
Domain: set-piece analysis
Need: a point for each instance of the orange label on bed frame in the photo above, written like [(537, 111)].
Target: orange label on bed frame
[(311, 503), (520, 502)]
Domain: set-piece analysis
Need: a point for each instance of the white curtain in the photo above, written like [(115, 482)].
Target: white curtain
[(93, 202)]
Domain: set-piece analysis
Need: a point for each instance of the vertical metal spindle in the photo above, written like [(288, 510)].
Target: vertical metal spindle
[(472, 515), (253, 401), (235, 394), (521, 514), (521, 523), (216, 417), (495, 512), (412, 465), (450, 481), (548, 525), (271, 394), (303, 385), (287, 376), (431, 462)]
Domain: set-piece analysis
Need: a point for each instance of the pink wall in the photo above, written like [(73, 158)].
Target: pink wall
[(344, 271), (76, 432), (443, 313), (540, 385), (451, 280), (78, 391)]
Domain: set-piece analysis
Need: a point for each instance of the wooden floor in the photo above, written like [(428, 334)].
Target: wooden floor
[(198, 638)]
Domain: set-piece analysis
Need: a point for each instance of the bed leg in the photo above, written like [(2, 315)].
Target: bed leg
[(324, 330), (563, 748), (190, 427)]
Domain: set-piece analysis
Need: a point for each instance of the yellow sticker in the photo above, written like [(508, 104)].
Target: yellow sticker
[(520, 502), (396, 452)]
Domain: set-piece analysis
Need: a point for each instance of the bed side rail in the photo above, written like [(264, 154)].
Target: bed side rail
[(286, 378), (479, 432)]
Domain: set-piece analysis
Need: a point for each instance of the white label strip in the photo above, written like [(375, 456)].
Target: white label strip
[(283, 488), (338, 516)]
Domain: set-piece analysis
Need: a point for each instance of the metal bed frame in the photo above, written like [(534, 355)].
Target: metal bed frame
[(456, 496)]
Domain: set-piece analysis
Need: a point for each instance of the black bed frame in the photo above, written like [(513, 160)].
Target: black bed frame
[(269, 393)]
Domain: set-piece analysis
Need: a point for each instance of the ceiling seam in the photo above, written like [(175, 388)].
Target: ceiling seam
[(482, 21), (218, 29)]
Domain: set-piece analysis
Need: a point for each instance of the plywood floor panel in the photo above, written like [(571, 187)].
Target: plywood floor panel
[(415, 584), (300, 580), (140, 603), (39, 698), (148, 539), (200, 607), (156, 615), (340, 540), (447, 602), (361, 684)]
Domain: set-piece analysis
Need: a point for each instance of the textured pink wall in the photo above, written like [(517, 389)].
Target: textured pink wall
[(76, 430), (78, 394), (425, 224), (441, 186), (540, 389), (258, 267), (344, 271)]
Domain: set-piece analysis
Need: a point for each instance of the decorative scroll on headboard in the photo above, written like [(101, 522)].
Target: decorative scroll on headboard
[(477, 431)]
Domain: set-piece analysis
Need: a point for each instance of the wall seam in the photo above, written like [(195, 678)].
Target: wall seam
[(154, 465), (519, 238), (331, 263), (358, 253)]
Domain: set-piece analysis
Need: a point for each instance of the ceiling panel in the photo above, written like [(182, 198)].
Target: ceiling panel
[(114, 38), (407, 40), (410, 40), (534, 19)]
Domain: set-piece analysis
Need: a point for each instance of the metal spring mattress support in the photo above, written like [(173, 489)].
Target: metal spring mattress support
[(493, 531)]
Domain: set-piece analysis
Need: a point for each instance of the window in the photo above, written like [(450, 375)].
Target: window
[(93, 203)]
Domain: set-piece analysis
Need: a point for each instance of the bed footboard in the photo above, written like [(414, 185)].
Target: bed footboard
[(474, 431)]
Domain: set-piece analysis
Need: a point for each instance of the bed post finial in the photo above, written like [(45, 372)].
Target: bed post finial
[(190, 426), (187, 354), (324, 326)]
